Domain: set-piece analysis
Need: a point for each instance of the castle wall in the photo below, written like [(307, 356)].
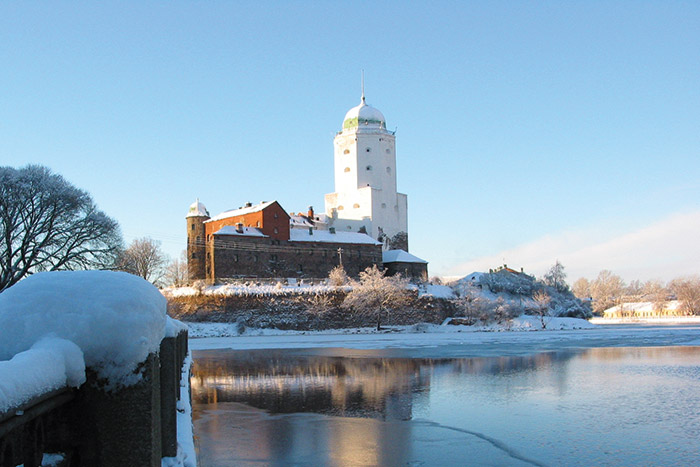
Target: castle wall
[(239, 256)]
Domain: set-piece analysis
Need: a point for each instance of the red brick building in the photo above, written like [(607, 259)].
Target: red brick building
[(257, 241)]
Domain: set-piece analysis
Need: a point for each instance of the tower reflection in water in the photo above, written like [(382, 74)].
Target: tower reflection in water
[(365, 402)]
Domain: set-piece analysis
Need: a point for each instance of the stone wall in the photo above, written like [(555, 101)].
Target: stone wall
[(238, 256), (299, 311)]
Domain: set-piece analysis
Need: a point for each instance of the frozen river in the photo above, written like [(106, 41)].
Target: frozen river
[(610, 396)]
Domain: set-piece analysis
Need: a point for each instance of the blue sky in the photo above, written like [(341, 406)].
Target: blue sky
[(526, 131)]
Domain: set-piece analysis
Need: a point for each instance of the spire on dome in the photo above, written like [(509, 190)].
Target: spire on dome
[(363, 86)]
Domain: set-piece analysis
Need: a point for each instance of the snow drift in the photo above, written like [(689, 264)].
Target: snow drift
[(114, 318)]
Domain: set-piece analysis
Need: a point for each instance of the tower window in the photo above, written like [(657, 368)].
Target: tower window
[(347, 151), (368, 149), (356, 206), (383, 205), (388, 150), (340, 208), (369, 167), (276, 230), (192, 226), (388, 170), (347, 169)]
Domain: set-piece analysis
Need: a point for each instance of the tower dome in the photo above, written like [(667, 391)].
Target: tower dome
[(197, 209), (363, 116)]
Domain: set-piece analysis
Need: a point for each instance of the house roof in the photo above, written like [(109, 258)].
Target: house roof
[(400, 256), (242, 211), (298, 220), (325, 236)]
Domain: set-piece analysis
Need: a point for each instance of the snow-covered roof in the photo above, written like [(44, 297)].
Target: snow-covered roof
[(242, 211), (197, 209), (400, 256), (298, 221), (302, 235), (247, 231), (362, 116)]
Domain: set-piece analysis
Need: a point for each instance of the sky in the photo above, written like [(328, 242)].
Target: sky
[(527, 132)]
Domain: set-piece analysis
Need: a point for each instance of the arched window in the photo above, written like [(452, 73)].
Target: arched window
[(340, 208), (368, 149), (369, 167), (347, 151), (347, 169), (356, 206)]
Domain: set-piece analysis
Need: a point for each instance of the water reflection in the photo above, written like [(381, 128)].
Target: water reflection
[(602, 406)]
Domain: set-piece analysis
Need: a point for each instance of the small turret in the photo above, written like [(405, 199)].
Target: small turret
[(196, 241)]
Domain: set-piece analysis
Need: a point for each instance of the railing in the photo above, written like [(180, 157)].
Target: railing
[(134, 426)]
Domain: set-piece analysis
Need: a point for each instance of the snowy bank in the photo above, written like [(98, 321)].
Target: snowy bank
[(522, 323), (114, 318)]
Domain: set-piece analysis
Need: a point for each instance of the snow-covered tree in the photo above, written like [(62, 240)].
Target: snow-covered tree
[(375, 295), (338, 277), (541, 309), (47, 224), (144, 258), (556, 277)]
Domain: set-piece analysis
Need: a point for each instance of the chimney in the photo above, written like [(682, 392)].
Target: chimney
[(310, 214), (239, 227), (248, 204), (331, 230), (311, 230)]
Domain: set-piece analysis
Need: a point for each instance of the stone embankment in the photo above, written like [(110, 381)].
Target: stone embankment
[(291, 311)]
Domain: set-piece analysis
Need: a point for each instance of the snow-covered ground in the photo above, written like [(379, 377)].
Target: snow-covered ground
[(252, 288), (524, 336), (650, 320)]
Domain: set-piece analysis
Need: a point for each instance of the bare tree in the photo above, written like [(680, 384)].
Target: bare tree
[(582, 288), (176, 271), (634, 289), (542, 299), (376, 294), (556, 277), (144, 258), (654, 291), (606, 290), (687, 291), (47, 224), (474, 307)]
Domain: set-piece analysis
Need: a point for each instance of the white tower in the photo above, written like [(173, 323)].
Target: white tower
[(365, 177)]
